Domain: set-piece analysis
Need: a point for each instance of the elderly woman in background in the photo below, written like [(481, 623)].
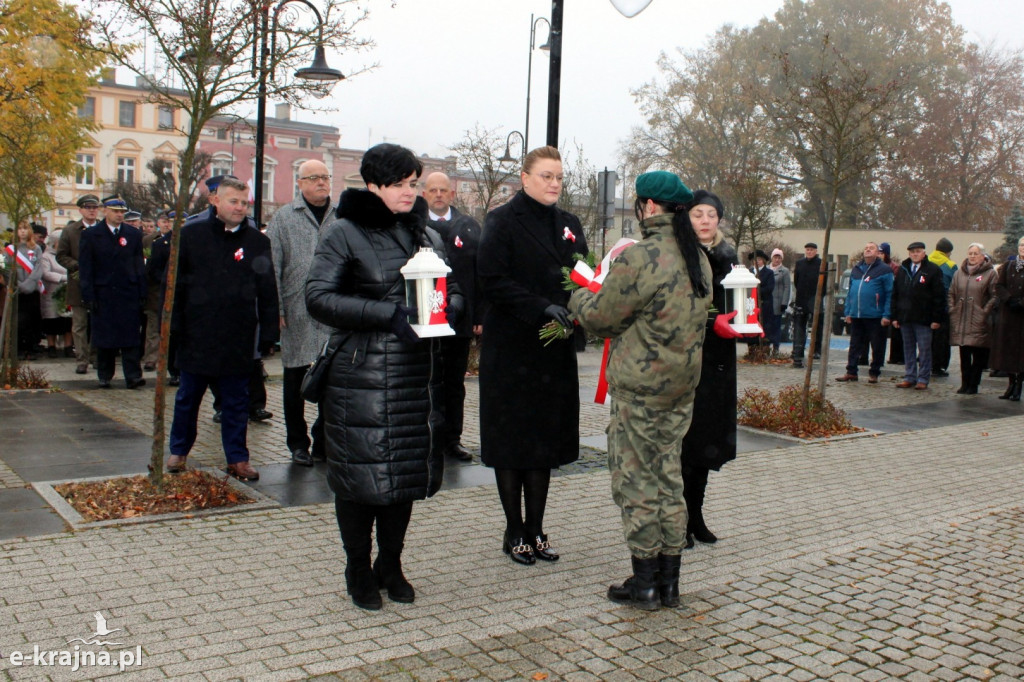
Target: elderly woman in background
[(381, 405), (529, 390), (781, 295), (972, 296), (1008, 341), (55, 323)]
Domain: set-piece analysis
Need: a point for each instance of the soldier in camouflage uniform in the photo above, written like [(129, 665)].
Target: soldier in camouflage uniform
[(653, 305)]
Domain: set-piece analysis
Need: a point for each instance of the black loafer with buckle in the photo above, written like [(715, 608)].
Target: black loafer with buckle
[(518, 550), (542, 549)]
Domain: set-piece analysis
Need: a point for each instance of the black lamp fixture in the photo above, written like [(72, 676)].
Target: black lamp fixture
[(317, 71), (546, 47), (508, 159)]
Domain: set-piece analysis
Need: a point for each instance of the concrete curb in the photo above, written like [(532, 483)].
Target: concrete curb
[(45, 489)]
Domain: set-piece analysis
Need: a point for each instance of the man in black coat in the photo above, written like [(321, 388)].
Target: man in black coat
[(461, 237), (112, 279), (225, 309), (805, 282), (918, 308)]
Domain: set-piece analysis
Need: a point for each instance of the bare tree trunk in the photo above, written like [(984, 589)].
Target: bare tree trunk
[(9, 327), (156, 460), (818, 294)]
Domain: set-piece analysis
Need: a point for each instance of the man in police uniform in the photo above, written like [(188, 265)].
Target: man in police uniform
[(113, 283)]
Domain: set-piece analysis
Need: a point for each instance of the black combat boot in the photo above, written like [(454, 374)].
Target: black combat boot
[(641, 588), (668, 579), (1017, 385)]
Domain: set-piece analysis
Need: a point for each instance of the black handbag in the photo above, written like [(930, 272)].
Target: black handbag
[(315, 381)]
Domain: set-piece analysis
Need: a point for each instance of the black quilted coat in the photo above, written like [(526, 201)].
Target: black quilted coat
[(382, 404)]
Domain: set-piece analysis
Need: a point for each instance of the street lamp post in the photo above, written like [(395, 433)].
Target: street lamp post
[(317, 71), (508, 158), (554, 71), (529, 70)]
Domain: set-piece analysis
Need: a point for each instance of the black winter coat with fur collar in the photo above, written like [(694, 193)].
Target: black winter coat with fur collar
[(382, 405)]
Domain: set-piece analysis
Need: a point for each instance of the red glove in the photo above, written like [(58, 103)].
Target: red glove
[(722, 327)]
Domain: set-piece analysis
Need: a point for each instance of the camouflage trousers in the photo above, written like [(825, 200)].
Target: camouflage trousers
[(647, 478)]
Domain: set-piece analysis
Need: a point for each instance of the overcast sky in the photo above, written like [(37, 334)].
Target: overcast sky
[(447, 64)]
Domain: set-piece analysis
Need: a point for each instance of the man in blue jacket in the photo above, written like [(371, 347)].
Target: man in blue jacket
[(868, 312)]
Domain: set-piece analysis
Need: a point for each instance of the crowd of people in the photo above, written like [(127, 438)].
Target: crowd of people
[(326, 281), (934, 303)]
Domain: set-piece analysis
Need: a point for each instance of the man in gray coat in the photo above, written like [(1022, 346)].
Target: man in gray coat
[(67, 256), (294, 232)]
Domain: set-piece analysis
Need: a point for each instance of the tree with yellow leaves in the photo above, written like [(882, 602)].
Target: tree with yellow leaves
[(46, 65)]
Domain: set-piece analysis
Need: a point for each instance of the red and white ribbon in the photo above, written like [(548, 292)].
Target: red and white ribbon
[(592, 280), (23, 260)]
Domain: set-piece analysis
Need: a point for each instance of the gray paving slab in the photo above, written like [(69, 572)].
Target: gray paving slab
[(896, 556)]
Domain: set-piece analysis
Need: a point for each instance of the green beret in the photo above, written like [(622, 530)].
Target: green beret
[(663, 186)]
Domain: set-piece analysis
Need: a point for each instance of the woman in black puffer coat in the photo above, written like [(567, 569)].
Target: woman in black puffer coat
[(711, 439), (382, 403)]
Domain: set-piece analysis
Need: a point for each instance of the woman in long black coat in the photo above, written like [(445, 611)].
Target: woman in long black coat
[(529, 391), (1008, 339), (382, 403), (711, 440)]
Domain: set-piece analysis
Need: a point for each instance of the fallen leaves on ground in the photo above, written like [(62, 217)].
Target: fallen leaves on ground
[(132, 496), (784, 413)]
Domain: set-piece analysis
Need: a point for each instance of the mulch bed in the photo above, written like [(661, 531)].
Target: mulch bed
[(130, 497)]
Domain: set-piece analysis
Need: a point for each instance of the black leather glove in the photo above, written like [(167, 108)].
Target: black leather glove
[(455, 309), (559, 314), (266, 348), (400, 324)]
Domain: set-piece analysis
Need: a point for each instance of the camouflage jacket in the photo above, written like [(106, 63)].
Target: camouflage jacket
[(656, 322)]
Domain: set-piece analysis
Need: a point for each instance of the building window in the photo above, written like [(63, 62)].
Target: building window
[(85, 170), (268, 184), (222, 133), (165, 118), (126, 115), (220, 167), (88, 109), (125, 169), (303, 143)]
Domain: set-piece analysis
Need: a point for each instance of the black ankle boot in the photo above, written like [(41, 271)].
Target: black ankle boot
[(640, 589), (1009, 387), (387, 573), (695, 526), (668, 579), (362, 586), (1016, 395)]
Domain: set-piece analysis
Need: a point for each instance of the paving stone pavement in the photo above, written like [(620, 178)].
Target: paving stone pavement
[(896, 556)]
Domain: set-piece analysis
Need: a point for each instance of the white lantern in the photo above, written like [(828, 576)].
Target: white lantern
[(741, 295), (426, 290)]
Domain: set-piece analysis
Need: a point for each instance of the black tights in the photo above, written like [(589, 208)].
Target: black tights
[(355, 521), (515, 485)]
